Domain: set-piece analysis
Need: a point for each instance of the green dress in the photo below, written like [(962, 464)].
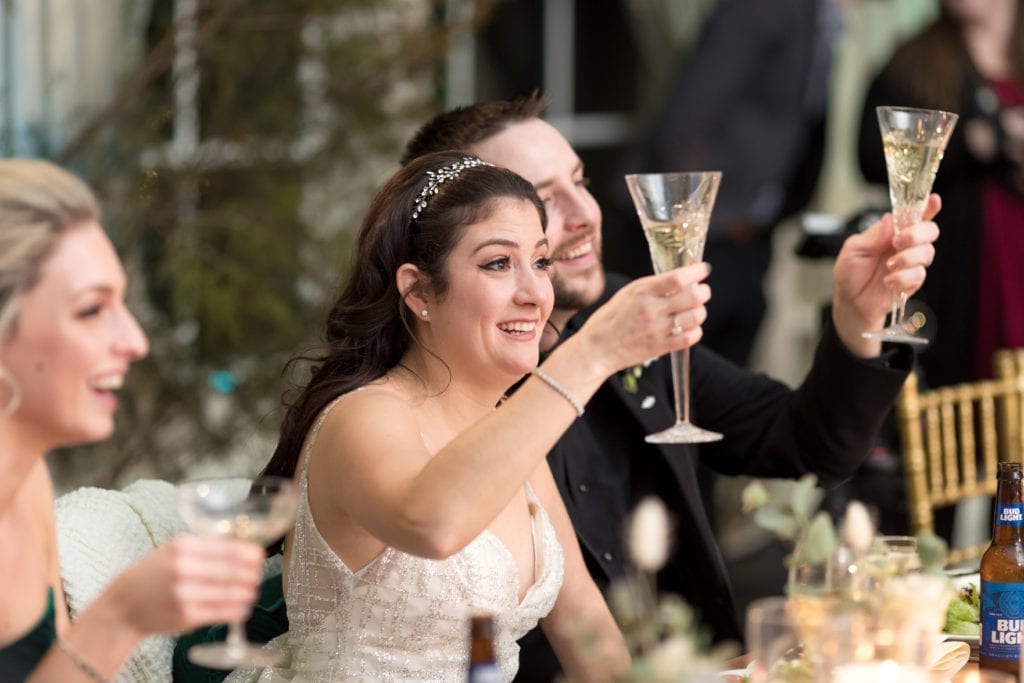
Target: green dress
[(18, 659), (269, 619)]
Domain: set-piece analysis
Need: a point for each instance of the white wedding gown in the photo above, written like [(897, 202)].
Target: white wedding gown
[(405, 618)]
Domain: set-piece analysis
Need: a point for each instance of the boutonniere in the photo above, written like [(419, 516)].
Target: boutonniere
[(631, 375)]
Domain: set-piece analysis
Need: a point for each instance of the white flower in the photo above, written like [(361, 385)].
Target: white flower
[(672, 657), (857, 528), (649, 534)]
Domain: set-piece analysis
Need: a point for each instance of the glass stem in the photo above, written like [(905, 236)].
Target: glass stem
[(236, 639), (681, 383), (899, 300), (903, 218)]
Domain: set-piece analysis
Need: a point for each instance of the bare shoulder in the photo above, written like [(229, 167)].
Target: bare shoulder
[(369, 403), (374, 417)]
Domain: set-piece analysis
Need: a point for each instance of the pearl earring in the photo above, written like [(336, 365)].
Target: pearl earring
[(424, 313)]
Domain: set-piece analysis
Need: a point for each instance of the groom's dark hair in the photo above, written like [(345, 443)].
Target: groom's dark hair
[(462, 127)]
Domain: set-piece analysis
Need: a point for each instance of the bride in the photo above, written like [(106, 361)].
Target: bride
[(426, 494)]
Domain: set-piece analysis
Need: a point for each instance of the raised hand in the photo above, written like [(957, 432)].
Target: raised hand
[(874, 264), (649, 317)]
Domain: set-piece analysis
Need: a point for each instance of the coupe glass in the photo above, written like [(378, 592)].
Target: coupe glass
[(674, 210), (914, 141), (261, 511)]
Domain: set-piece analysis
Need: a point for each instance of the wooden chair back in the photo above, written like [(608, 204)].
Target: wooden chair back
[(952, 439)]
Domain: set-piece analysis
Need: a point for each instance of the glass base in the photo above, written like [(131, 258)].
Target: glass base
[(683, 432), (897, 334), (227, 657)]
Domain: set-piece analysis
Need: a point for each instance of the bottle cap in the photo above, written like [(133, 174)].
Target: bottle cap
[(1010, 470)]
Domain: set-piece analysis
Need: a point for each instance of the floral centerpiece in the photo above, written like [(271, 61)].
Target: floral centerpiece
[(857, 605), (662, 632)]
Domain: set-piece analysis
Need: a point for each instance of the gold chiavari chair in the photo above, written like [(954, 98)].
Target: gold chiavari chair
[(953, 437)]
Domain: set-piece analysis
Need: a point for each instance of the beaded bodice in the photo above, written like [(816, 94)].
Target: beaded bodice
[(403, 617)]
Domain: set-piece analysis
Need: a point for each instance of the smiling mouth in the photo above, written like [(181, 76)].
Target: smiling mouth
[(108, 384), (578, 251), (518, 327)]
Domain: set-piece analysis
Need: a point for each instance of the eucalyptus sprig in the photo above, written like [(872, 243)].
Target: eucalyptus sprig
[(933, 552), (664, 635), (796, 519)]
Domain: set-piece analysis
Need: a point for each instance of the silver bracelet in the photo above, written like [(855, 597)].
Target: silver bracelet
[(557, 386), (83, 666)]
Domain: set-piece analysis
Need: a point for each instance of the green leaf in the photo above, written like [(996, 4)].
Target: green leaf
[(820, 541), (933, 551), (629, 383), (804, 495), (781, 523)]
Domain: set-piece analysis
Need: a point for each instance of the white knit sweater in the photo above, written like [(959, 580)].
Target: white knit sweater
[(99, 534)]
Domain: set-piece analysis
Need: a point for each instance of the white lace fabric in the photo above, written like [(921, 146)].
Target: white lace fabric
[(406, 618)]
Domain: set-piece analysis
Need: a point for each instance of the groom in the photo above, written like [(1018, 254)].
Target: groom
[(602, 464)]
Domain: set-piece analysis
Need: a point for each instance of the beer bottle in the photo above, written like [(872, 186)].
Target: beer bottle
[(483, 664), (1002, 577)]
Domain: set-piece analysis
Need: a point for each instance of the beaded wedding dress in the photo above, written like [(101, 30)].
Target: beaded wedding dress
[(405, 618)]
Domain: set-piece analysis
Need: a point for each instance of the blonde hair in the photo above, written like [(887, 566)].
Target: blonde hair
[(38, 202)]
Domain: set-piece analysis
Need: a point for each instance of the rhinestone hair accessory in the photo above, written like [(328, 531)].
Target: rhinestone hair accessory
[(442, 175)]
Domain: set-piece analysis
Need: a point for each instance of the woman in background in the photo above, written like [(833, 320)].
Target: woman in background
[(66, 343), (970, 61)]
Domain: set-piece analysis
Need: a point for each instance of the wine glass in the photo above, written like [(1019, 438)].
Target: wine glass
[(674, 210), (914, 141), (261, 511)]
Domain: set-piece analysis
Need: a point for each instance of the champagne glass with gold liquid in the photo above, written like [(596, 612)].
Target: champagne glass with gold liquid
[(914, 141), (674, 210), (261, 511)]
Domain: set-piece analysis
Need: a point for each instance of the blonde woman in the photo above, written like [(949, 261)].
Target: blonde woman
[(66, 343)]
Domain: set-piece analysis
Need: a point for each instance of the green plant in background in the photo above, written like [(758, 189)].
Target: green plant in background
[(796, 519), (812, 531), (234, 206), (664, 636)]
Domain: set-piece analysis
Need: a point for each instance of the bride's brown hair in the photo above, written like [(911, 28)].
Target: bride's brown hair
[(367, 330)]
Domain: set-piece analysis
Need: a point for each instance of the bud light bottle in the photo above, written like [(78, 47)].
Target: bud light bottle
[(483, 664), (1002, 577)]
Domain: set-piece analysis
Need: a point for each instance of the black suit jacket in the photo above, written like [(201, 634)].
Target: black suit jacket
[(825, 426)]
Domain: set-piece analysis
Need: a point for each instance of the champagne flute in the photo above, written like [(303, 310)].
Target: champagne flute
[(914, 141), (674, 210), (260, 511)]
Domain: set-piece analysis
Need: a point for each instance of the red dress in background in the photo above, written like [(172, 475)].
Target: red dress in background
[(1001, 272)]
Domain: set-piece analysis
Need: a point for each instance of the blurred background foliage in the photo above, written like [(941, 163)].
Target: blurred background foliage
[(235, 145), (233, 191)]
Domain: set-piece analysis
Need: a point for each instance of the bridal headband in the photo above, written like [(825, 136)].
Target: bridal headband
[(442, 175)]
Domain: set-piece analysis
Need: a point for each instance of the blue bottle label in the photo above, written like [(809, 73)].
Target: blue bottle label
[(1009, 514), (1002, 615), (485, 673)]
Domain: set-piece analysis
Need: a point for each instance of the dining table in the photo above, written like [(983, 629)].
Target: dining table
[(742, 661)]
